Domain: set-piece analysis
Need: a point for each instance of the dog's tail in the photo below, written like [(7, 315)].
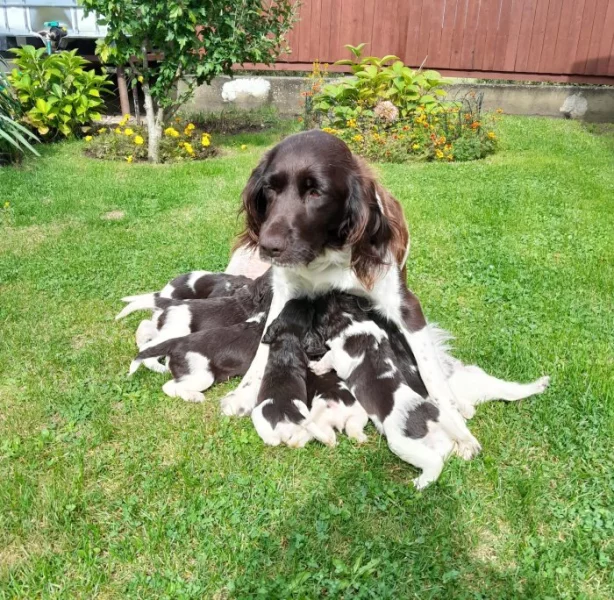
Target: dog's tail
[(151, 301), (161, 349)]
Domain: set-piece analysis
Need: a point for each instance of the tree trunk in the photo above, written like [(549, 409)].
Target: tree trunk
[(154, 126)]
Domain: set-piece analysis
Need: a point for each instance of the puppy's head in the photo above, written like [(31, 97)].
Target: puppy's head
[(294, 321), (309, 194)]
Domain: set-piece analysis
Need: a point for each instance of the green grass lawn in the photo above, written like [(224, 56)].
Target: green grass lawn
[(110, 489)]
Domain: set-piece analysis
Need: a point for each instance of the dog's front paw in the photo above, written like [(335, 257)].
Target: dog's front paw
[(238, 403)]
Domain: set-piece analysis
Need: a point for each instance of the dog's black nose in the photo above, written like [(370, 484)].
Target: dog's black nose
[(272, 245)]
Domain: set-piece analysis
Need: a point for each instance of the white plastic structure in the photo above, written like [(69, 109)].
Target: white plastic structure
[(248, 87), (24, 18)]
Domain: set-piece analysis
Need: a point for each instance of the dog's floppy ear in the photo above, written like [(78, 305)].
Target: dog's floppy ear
[(254, 205), (370, 232)]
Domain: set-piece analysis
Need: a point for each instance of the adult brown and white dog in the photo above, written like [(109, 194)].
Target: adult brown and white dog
[(319, 216)]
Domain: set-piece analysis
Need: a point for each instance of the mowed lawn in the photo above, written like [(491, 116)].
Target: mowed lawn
[(109, 489)]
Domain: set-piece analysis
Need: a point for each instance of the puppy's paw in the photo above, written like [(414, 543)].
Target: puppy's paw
[(422, 482), (466, 409), (238, 403), (360, 438), (299, 439), (467, 449), (191, 396), (541, 385), (319, 368)]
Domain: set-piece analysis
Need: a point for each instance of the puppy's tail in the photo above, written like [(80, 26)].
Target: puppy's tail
[(150, 301), (161, 349)]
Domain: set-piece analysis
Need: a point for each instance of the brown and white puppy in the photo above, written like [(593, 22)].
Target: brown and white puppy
[(178, 318), (282, 411), (200, 359), (317, 214), (368, 353)]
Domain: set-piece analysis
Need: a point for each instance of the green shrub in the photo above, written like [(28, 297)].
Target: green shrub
[(375, 80), (14, 138), (129, 143), (58, 95), (389, 112)]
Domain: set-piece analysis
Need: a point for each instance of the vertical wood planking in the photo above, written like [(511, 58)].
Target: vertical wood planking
[(607, 39), (469, 38), (593, 49), (524, 36), (538, 34), (315, 30), (434, 38), (448, 30), (458, 34), (503, 31), (413, 34), (588, 17), (490, 38), (573, 37), (325, 25), (551, 33)]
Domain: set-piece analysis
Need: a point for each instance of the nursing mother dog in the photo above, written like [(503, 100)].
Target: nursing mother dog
[(317, 214)]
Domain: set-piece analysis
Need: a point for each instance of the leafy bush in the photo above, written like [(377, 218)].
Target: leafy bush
[(387, 111), (129, 143), (14, 138), (458, 132), (58, 95), (374, 80)]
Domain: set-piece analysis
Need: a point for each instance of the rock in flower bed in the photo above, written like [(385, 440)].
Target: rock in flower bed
[(127, 142)]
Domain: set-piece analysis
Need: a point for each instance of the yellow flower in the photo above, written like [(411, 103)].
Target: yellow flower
[(88, 138), (128, 131), (171, 132), (491, 134), (138, 140), (127, 116), (416, 147), (329, 130), (358, 138), (7, 205), (205, 140), (243, 146), (129, 159), (102, 130), (189, 128), (140, 79), (438, 153), (499, 111), (188, 148), (351, 123), (117, 130)]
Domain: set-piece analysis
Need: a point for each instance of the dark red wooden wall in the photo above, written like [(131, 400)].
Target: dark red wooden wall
[(516, 39)]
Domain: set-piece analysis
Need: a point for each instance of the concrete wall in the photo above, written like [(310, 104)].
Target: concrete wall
[(587, 103)]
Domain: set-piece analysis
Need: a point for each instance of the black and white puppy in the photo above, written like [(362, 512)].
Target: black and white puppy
[(384, 378), (332, 406), (200, 359), (282, 412), (189, 286), (178, 318)]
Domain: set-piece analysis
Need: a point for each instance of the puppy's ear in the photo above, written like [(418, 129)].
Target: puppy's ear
[(254, 206)]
